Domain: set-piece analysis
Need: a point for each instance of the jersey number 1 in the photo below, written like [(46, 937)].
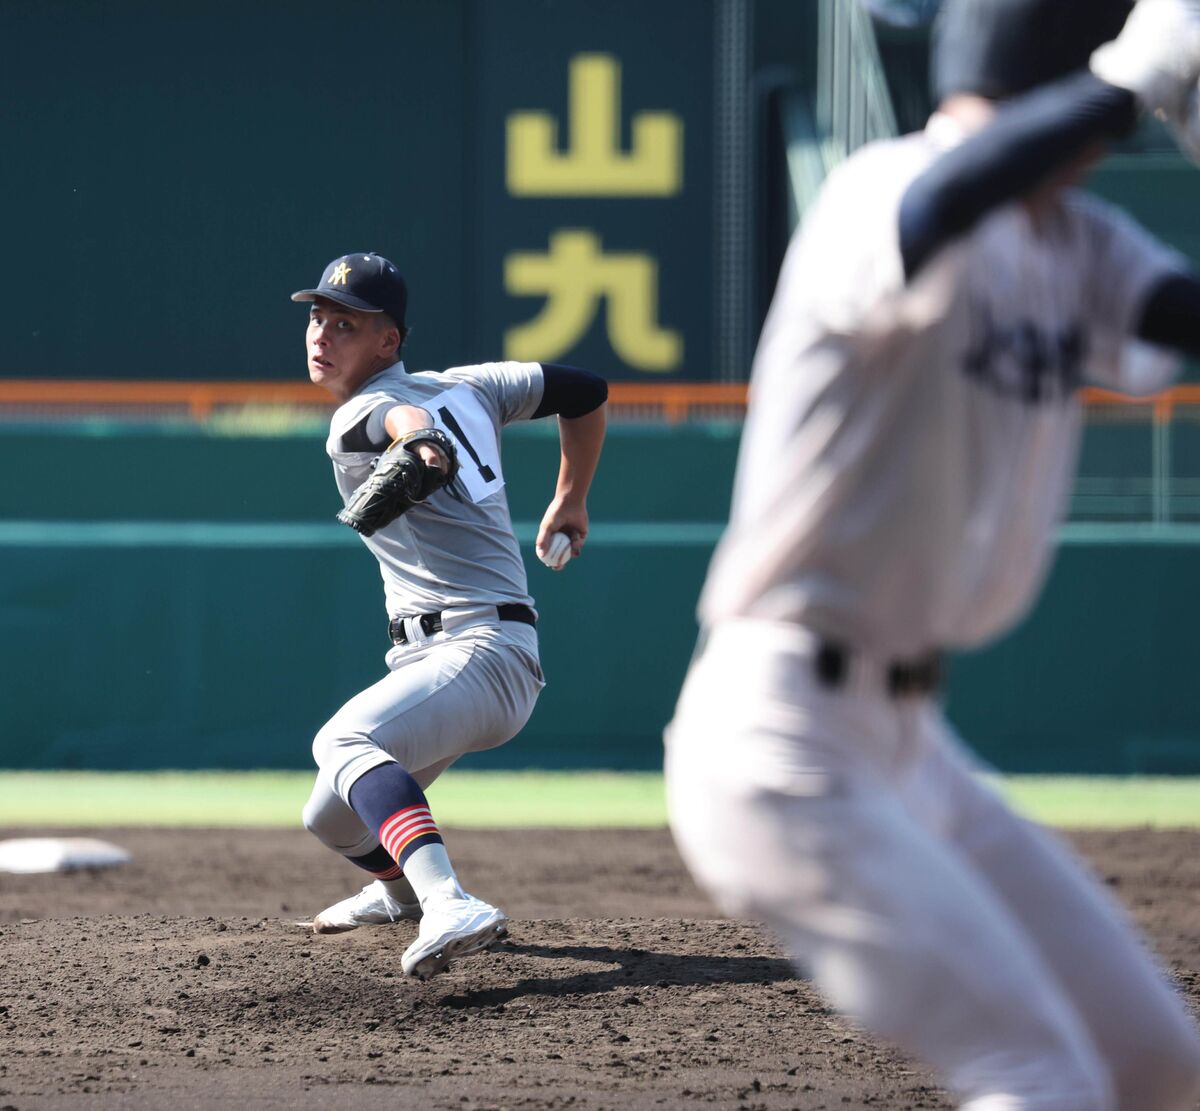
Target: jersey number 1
[(485, 471)]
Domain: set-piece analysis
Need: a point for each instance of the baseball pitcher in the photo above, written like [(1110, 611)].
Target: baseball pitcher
[(416, 457)]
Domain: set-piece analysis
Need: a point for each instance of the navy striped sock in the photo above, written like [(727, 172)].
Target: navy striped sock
[(389, 801), (378, 863)]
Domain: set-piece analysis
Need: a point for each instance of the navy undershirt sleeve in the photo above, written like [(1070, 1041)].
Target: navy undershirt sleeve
[(1171, 317), (1031, 138), (569, 391), (369, 433), (377, 426)]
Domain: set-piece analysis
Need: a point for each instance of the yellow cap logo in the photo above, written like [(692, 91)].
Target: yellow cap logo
[(338, 277)]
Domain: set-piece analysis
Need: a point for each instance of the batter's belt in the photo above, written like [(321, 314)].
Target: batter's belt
[(902, 678), (431, 623)]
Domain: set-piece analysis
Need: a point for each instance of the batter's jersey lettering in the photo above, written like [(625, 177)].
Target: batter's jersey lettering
[(909, 448), (1023, 361)]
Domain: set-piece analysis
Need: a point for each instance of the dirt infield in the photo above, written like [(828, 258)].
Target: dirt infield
[(182, 981)]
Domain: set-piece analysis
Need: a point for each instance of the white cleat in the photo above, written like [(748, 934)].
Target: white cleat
[(451, 928), (372, 906)]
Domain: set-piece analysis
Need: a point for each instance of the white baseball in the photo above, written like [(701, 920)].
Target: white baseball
[(557, 551)]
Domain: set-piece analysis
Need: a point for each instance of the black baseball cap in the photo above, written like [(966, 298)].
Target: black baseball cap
[(364, 281)]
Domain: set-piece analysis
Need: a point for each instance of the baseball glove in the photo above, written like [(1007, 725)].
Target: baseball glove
[(399, 479)]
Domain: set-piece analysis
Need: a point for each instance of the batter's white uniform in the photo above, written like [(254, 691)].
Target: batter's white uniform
[(905, 460), (472, 685)]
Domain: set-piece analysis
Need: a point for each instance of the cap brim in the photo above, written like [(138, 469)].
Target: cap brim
[(350, 301)]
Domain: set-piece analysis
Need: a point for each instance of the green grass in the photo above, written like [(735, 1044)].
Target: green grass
[(275, 799), (513, 799), (1106, 802)]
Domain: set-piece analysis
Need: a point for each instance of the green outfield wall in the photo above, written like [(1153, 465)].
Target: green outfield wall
[(192, 602), (185, 600), (589, 182)]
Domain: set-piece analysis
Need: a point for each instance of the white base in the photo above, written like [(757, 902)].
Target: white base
[(59, 854)]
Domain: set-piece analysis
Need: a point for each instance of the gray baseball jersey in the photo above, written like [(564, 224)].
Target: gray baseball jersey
[(450, 550), (473, 684)]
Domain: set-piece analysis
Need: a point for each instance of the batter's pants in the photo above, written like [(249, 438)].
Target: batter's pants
[(469, 687), (859, 829)]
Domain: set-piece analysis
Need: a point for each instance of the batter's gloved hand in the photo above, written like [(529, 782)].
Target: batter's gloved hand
[(400, 479), (1156, 56)]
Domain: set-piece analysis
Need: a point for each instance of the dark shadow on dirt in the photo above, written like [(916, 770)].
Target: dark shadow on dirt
[(635, 968)]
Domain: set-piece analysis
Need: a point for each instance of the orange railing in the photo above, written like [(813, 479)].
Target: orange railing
[(198, 399), (672, 402), (1162, 405)]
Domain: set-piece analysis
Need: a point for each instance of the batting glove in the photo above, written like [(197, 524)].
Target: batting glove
[(1156, 56)]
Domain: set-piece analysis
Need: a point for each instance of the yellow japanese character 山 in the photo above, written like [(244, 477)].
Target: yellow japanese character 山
[(573, 277), (594, 165)]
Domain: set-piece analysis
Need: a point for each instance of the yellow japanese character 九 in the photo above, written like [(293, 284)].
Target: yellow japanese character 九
[(574, 276)]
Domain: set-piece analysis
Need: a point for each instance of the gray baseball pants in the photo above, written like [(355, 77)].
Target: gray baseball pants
[(470, 687)]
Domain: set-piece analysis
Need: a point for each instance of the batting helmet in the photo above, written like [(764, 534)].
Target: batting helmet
[(999, 48)]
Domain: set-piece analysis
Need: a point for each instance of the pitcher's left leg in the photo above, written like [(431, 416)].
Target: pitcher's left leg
[(440, 700)]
